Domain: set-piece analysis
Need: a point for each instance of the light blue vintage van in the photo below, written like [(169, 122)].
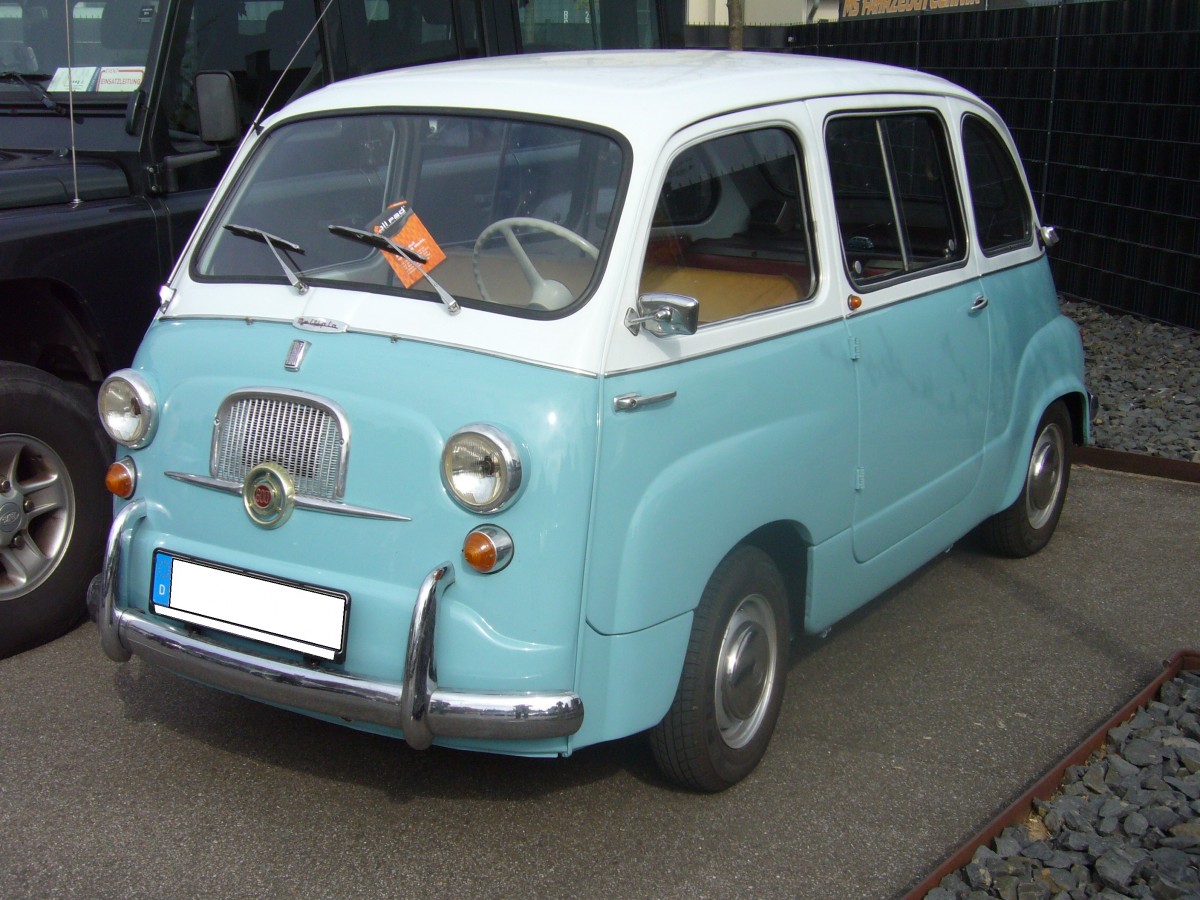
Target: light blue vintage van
[(520, 404)]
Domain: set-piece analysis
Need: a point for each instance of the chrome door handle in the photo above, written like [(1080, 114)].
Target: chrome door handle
[(630, 402), (981, 302)]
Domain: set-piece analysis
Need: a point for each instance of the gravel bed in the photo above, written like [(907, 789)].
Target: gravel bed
[(1124, 825), (1147, 376)]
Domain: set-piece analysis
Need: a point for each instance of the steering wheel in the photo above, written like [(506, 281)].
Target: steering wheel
[(543, 294)]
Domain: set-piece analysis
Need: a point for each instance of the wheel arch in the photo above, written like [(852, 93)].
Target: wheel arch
[(786, 543), (48, 328), (1079, 410), (1076, 404)]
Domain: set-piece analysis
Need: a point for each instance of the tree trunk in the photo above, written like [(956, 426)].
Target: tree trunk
[(737, 15)]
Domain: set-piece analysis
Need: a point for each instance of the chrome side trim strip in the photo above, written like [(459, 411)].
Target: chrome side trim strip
[(417, 707), (348, 509), (315, 503), (215, 484)]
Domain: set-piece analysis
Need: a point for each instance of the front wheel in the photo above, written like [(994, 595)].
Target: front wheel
[(731, 689), (1027, 525), (54, 510)]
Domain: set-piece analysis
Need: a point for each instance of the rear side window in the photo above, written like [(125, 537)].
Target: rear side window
[(893, 184), (1002, 216)]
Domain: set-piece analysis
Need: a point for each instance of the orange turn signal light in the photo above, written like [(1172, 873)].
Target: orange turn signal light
[(121, 478), (854, 302), (487, 549)]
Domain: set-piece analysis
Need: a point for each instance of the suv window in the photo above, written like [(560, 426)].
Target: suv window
[(893, 185), (261, 42), (109, 44), (587, 24), (1002, 216), (406, 33), (732, 227)]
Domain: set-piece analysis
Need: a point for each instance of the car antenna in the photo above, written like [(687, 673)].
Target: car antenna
[(256, 125), (75, 201)]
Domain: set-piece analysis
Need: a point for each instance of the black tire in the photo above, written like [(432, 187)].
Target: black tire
[(1027, 525), (54, 509), (731, 688)]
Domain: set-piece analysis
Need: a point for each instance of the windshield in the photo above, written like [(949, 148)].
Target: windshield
[(109, 46), (496, 213)]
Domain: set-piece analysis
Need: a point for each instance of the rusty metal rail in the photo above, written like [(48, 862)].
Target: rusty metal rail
[(1137, 463), (1045, 787)]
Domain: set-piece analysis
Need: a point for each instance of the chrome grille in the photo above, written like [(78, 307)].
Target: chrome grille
[(306, 435)]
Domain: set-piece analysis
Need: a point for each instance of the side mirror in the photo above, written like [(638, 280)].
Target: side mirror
[(664, 315), (1049, 235), (216, 104)]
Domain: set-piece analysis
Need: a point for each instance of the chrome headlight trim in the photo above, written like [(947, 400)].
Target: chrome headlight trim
[(128, 408), (495, 457)]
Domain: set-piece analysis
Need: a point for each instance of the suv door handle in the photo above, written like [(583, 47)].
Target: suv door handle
[(981, 302)]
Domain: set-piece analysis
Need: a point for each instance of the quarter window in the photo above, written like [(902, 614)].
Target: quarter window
[(893, 185), (732, 227), (1002, 216)]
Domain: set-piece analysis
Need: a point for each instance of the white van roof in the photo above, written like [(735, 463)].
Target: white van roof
[(622, 89)]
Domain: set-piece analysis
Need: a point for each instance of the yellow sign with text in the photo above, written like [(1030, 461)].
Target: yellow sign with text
[(852, 9)]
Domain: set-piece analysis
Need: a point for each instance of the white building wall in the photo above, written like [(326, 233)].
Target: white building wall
[(763, 12)]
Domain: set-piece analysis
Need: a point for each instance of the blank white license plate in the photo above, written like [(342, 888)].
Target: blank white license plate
[(300, 617)]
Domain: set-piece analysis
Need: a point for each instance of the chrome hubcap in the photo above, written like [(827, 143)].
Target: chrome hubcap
[(1044, 479), (37, 513), (746, 671)]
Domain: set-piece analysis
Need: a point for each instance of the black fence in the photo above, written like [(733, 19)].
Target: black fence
[(1103, 99)]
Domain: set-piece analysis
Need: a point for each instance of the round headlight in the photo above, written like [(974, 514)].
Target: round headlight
[(481, 468), (128, 410)]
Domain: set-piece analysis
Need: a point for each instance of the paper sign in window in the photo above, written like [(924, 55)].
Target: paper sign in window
[(404, 227)]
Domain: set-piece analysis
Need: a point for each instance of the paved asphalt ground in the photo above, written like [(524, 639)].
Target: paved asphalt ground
[(902, 732)]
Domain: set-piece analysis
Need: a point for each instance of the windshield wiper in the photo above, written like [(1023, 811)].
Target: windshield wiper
[(275, 244), (387, 245), (34, 88)]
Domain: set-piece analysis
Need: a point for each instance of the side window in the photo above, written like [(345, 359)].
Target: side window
[(261, 42), (732, 227), (411, 32), (893, 185), (1002, 216), (587, 24)]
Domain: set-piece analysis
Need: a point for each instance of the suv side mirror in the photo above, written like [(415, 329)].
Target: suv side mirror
[(664, 315), (216, 104)]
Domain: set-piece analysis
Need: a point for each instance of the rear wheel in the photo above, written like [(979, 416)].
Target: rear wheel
[(1027, 525), (731, 689), (54, 510)]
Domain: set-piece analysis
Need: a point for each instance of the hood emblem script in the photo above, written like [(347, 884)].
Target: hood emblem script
[(319, 324), (269, 495)]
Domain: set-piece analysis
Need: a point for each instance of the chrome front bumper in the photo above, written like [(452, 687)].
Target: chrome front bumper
[(416, 706)]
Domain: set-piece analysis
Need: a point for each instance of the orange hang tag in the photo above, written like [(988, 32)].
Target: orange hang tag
[(404, 227)]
